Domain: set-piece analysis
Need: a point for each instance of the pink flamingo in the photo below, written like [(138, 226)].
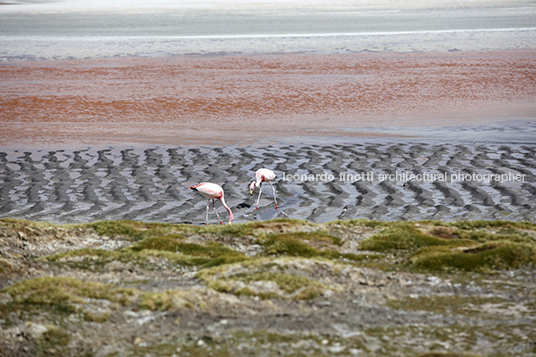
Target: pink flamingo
[(263, 175), (213, 191)]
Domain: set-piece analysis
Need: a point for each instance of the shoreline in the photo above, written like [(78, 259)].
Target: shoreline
[(33, 48)]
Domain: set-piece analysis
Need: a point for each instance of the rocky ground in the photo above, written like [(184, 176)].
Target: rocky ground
[(283, 287)]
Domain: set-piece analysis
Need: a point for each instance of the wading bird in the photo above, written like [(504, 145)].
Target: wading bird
[(262, 175), (212, 192)]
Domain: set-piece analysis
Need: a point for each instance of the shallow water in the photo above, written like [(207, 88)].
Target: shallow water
[(222, 100), (151, 183)]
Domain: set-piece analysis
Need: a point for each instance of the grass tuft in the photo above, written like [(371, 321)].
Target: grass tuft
[(404, 236), (61, 293), (492, 224), (266, 279), (203, 256), (170, 247), (493, 255), (113, 229), (168, 301), (299, 244), (359, 222), (287, 245), (54, 342)]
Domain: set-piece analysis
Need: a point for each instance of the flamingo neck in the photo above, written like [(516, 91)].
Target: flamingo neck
[(259, 178), (231, 216), (259, 181)]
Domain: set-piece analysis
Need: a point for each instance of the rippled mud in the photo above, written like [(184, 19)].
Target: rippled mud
[(319, 183)]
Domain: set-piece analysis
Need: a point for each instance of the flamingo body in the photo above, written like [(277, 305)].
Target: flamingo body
[(213, 192), (263, 175)]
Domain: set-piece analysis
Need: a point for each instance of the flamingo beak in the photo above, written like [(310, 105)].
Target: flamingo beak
[(250, 192), (230, 222)]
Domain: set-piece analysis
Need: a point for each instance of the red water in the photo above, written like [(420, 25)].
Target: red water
[(229, 99)]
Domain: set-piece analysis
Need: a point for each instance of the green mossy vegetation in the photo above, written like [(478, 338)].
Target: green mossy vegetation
[(497, 255), (113, 228), (168, 247), (4, 266), (132, 230), (404, 236), (59, 290), (288, 256), (359, 222), (60, 295), (472, 225), (165, 301), (300, 244), (87, 258), (249, 229), (240, 279), (482, 247), (295, 287), (22, 223), (504, 234), (54, 342), (281, 223), (468, 246)]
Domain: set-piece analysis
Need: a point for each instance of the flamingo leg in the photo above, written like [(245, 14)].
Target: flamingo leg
[(208, 206), (275, 200), (259, 197), (214, 208)]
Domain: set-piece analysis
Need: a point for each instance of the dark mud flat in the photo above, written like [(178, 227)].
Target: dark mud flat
[(368, 180), (272, 288)]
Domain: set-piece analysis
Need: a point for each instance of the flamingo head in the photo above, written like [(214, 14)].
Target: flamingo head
[(251, 187), (196, 186)]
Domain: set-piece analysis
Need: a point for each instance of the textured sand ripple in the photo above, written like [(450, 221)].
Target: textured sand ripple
[(151, 183)]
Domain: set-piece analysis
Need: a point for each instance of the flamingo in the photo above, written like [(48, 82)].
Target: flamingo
[(213, 191), (263, 175)]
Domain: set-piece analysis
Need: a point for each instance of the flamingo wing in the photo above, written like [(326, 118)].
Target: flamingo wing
[(209, 190), (263, 175)]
